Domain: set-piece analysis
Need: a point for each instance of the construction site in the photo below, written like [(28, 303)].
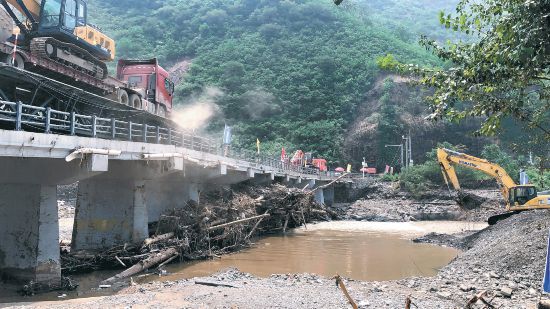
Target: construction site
[(108, 199)]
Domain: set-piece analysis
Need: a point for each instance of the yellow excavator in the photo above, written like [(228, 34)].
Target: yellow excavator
[(517, 197), (59, 30)]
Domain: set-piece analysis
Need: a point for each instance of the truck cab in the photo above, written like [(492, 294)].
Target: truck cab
[(151, 81)]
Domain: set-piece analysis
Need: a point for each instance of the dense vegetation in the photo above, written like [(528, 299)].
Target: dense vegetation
[(292, 72), (502, 72)]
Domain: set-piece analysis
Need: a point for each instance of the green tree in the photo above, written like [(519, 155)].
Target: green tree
[(501, 71)]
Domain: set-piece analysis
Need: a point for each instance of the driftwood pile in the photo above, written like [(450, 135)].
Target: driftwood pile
[(221, 222)]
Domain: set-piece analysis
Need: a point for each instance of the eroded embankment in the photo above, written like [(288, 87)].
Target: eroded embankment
[(507, 258)]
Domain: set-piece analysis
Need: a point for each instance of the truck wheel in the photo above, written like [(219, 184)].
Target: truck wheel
[(18, 62), (135, 101), (123, 97)]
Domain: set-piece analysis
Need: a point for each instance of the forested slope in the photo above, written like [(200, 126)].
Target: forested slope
[(292, 73)]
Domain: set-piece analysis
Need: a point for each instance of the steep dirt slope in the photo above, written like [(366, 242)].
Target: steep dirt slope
[(390, 110)]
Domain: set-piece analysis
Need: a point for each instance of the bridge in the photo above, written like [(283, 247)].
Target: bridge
[(128, 175)]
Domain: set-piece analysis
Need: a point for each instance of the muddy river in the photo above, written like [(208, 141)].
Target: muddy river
[(358, 250)]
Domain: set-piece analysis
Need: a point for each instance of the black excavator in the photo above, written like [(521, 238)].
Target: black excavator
[(58, 30)]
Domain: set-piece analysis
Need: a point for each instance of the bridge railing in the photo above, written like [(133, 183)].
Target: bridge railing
[(47, 120), (278, 165)]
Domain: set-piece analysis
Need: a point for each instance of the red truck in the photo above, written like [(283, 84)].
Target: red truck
[(320, 164), (152, 86)]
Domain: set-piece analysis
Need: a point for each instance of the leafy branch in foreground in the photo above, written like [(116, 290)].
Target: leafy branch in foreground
[(502, 71)]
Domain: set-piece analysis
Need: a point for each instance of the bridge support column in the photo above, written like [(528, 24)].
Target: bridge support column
[(328, 193), (264, 179), (165, 195), (110, 212), (30, 233), (319, 196)]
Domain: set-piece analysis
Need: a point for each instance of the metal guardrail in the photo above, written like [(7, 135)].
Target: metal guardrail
[(47, 120), (279, 166)]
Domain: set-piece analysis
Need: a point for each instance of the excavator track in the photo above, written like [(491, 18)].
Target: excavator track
[(69, 55), (496, 218)]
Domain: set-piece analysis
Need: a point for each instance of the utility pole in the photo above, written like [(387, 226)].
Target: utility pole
[(410, 162), (408, 149), (405, 140)]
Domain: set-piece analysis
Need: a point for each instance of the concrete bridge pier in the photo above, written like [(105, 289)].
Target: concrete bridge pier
[(29, 250), (166, 194), (319, 195), (112, 208), (109, 212), (328, 194)]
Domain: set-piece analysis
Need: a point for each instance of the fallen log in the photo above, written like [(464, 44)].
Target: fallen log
[(151, 261), (168, 261), (479, 297), (236, 222), (158, 238), (120, 261), (216, 284), (254, 228), (329, 184), (135, 257)]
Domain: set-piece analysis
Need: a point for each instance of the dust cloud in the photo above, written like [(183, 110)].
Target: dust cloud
[(260, 104), (195, 113)]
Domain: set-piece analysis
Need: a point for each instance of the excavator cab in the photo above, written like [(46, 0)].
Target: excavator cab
[(63, 14), (520, 195), (66, 20)]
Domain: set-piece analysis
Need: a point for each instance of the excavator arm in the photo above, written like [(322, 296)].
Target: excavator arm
[(447, 157), (29, 8), (448, 171)]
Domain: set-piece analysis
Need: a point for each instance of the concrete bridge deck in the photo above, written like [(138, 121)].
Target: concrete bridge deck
[(123, 186)]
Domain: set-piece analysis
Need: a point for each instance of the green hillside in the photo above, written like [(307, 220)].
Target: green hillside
[(292, 73)]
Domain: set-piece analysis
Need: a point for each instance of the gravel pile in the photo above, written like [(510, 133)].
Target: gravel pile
[(506, 259)]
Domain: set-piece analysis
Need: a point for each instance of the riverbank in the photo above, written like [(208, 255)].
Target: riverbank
[(506, 260), (499, 259)]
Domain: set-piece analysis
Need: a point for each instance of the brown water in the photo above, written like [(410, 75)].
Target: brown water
[(359, 250)]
